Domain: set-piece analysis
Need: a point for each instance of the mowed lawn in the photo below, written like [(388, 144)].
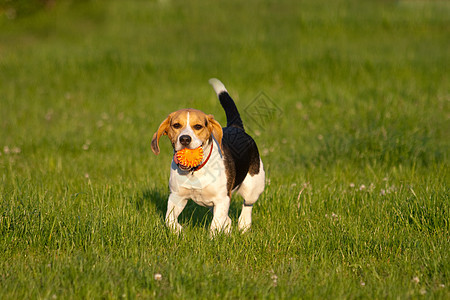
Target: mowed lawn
[(347, 100)]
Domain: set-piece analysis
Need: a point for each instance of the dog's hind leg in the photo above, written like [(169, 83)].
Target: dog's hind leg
[(250, 189)]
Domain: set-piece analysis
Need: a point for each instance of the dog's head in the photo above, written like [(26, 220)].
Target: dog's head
[(188, 128)]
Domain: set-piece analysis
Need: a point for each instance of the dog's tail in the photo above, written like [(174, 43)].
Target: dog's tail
[(231, 111)]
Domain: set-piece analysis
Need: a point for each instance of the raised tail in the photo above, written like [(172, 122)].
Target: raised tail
[(231, 111)]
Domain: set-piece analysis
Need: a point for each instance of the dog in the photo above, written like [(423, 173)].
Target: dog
[(231, 163)]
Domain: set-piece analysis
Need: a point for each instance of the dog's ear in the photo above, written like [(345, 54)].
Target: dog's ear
[(162, 130), (216, 129)]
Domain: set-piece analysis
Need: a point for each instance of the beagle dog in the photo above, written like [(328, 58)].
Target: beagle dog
[(231, 162)]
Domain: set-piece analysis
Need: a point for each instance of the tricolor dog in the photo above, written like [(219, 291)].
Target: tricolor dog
[(230, 162)]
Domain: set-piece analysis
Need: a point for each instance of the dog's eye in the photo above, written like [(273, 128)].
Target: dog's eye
[(176, 125), (198, 127)]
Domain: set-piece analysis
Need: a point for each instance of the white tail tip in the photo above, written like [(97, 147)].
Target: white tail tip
[(217, 85)]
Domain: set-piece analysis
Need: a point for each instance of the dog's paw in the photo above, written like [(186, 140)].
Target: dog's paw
[(244, 228), (244, 224), (218, 227), (176, 228)]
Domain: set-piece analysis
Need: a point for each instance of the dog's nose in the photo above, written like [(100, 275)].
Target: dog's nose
[(185, 140)]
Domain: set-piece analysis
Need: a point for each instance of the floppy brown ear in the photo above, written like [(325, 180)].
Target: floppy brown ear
[(216, 129), (162, 130)]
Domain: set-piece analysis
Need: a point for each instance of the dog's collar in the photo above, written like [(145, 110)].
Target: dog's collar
[(206, 160), (193, 169)]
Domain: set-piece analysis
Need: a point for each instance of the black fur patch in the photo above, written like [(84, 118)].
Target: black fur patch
[(241, 156), (231, 111)]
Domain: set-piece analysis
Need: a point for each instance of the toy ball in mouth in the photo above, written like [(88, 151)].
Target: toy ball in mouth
[(189, 158)]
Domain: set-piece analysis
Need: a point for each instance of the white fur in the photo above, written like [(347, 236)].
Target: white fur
[(217, 85), (206, 187), (250, 189), (252, 186)]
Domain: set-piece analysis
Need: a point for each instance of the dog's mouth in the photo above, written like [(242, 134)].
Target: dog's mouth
[(180, 165), (187, 159)]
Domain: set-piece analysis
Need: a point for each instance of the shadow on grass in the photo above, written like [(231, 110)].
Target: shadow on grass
[(193, 214)]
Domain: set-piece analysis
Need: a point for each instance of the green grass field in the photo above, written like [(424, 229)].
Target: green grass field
[(357, 197)]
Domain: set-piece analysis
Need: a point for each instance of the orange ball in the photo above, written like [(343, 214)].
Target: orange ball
[(190, 157)]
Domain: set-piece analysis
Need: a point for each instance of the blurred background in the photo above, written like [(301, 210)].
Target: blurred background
[(358, 81)]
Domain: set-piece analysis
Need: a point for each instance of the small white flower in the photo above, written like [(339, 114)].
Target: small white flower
[(363, 283), (383, 192), (274, 278), (423, 291), (86, 145), (158, 277), (415, 279), (11, 14), (6, 150), (49, 115), (86, 175), (391, 189), (333, 216), (352, 185), (16, 150), (362, 187)]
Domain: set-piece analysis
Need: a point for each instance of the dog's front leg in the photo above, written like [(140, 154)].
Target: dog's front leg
[(221, 221), (175, 206)]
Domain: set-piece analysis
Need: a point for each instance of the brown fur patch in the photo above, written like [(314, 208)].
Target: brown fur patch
[(202, 125)]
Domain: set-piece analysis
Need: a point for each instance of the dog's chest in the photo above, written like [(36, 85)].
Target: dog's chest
[(202, 186)]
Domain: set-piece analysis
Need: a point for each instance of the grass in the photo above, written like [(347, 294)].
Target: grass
[(356, 203)]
